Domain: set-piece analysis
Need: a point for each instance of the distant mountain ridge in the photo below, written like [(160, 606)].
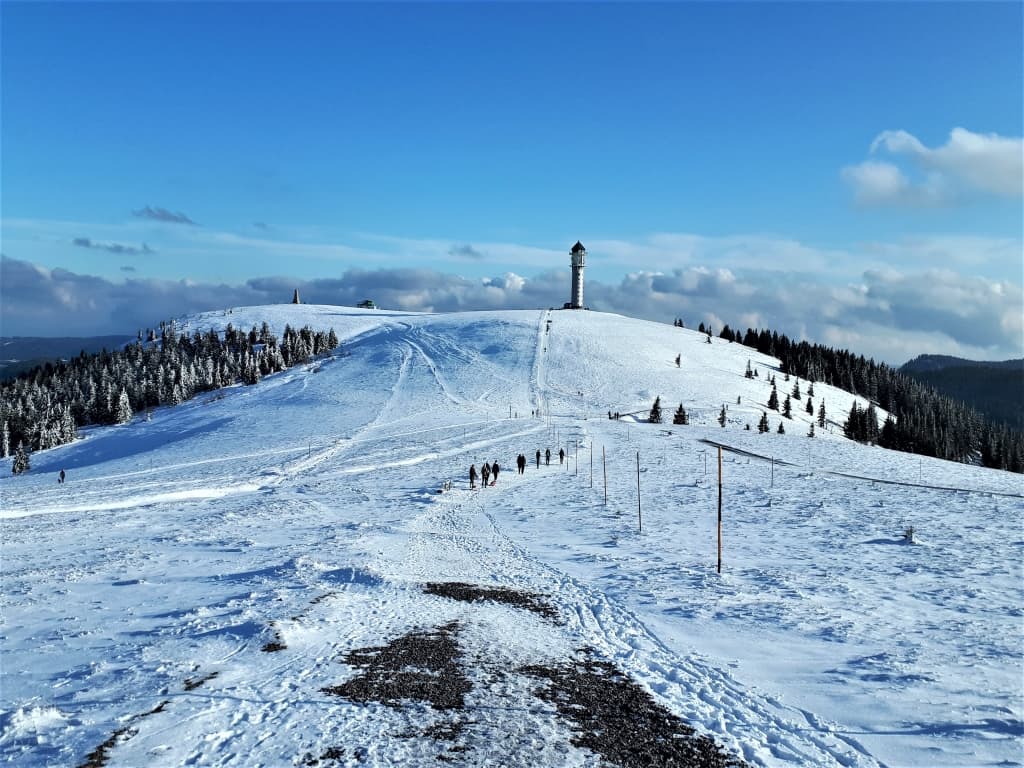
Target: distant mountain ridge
[(995, 389), (925, 363), (19, 354)]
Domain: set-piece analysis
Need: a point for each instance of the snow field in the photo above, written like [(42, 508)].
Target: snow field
[(303, 513)]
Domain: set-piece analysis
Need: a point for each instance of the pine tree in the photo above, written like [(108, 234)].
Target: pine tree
[(787, 408), (762, 425), (655, 417), (5, 442), (810, 432), (796, 390), (810, 390), (680, 416), (20, 465), (821, 414), (782, 429), (749, 373), (810, 406), (124, 408), (721, 416), (773, 399)]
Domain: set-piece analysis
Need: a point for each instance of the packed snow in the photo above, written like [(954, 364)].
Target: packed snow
[(202, 578)]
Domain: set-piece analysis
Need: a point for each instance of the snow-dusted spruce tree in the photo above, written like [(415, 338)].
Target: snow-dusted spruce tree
[(796, 390), (810, 432), (782, 429), (749, 372), (787, 408), (124, 409), (773, 399), (20, 465), (5, 442), (721, 416), (655, 417), (810, 406), (680, 416), (762, 425), (821, 414)]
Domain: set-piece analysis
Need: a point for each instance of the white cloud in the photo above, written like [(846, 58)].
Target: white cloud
[(888, 314), (968, 163)]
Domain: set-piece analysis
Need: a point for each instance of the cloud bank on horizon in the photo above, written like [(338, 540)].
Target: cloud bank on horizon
[(886, 314)]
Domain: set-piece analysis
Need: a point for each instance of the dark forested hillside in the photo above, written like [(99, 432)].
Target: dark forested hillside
[(44, 407), (922, 420), (994, 389)]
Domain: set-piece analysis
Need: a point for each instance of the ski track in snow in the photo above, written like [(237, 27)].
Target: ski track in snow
[(145, 593)]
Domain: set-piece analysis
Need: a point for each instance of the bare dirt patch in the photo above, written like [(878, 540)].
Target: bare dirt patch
[(99, 757), (191, 683), (472, 593), (614, 717), (422, 665)]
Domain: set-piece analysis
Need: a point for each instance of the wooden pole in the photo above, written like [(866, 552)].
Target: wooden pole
[(577, 472), (604, 466), (639, 519), (719, 509)]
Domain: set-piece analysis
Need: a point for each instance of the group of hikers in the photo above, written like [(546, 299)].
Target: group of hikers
[(488, 474)]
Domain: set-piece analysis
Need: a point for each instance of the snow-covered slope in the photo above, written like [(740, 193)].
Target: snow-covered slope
[(192, 593)]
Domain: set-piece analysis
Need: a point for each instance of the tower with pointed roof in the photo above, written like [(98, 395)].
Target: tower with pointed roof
[(578, 257)]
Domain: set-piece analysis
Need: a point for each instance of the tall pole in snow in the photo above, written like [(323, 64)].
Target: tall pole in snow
[(719, 509), (639, 519), (577, 472), (604, 466)]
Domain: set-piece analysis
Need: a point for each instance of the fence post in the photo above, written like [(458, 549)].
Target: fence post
[(719, 509), (604, 466), (640, 521)]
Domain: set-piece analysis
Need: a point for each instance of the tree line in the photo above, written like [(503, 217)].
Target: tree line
[(921, 420), (44, 407)]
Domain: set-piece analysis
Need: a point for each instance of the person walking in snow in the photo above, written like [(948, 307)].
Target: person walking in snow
[(538, 458), (561, 455), (485, 473), (60, 477), (472, 476), (547, 457), (521, 463), (494, 472)]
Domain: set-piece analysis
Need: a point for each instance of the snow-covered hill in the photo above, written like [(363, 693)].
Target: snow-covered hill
[(194, 593)]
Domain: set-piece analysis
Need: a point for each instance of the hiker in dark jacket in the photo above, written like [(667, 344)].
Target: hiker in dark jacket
[(521, 463), (495, 469), (538, 458), (561, 455), (485, 473), (472, 475), (547, 456)]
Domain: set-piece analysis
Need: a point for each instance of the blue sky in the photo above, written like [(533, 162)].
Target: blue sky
[(823, 169)]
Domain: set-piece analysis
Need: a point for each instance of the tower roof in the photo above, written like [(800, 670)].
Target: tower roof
[(578, 247)]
